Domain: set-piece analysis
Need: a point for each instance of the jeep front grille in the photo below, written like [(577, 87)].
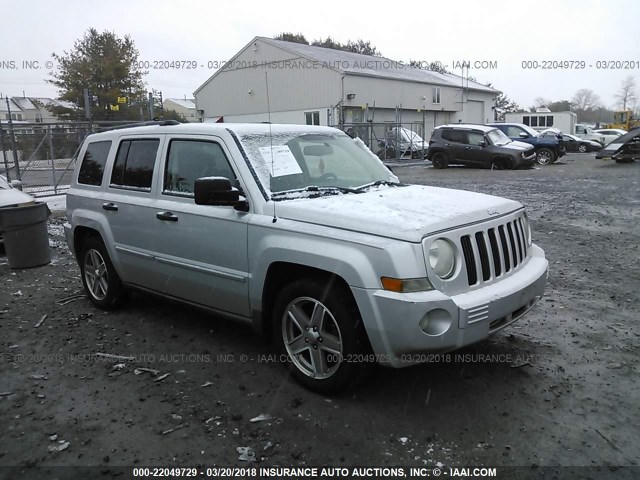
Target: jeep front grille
[(493, 252)]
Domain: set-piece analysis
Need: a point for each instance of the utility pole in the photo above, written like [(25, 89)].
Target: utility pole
[(150, 105), (13, 141)]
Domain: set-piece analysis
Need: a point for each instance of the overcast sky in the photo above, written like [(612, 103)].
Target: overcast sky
[(507, 32)]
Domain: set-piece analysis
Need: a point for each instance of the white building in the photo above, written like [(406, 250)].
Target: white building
[(183, 106), (31, 109), (314, 85)]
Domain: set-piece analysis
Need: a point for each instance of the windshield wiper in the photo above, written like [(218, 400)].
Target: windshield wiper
[(378, 183), (318, 190)]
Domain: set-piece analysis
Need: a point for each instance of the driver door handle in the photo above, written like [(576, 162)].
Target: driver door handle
[(110, 206), (168, 216)]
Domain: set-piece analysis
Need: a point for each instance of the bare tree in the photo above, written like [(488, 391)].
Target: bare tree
[(540, 102), (585, 99), (627, 93)]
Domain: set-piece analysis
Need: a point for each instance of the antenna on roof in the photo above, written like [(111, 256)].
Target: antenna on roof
[(266, 81)]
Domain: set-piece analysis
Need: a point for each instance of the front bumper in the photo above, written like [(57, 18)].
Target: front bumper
[(393, 319)]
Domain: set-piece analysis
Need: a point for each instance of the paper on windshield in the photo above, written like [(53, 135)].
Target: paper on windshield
[(284, 163)]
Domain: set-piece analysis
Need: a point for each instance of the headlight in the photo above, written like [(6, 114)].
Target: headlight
[(442, 258), (527, 228)]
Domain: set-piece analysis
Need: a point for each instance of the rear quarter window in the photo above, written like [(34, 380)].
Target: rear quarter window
[(93, 162)]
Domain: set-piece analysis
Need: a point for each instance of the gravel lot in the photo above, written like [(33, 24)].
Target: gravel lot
[(559, 388)]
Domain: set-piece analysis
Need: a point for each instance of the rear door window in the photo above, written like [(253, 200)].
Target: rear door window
[(134, 163), (93, 162), (457, 136)]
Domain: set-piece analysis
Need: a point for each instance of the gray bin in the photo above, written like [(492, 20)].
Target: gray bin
[(24, 230)]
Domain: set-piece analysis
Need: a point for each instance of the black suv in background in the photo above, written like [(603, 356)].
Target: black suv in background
[(548, 149), (478, 146)]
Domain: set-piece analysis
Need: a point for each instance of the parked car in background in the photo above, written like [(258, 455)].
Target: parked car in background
[(571, 143), (477, 146), (625, 149), (548, 149), (610, 134), (302, 232), (405, 142)]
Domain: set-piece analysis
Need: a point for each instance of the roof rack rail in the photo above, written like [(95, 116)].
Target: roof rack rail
[(146, 124)]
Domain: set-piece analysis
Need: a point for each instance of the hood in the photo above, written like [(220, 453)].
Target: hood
[(405, 213), (520, 146)]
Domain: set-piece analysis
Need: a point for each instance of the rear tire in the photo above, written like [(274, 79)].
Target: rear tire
[(544, 156), (318, 327), (100, 280), (582, 148), (439, 160)]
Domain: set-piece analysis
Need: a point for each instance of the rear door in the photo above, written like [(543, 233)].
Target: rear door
[(202, 248), (456, 144), (129, 205)]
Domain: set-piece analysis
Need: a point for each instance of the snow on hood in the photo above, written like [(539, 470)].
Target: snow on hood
[(404, 213)]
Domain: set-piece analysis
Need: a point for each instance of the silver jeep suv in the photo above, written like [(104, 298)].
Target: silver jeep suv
[(302, 232)]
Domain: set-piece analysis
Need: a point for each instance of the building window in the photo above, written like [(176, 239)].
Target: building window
[(38, 118), (534, 121), (525, 120), (436, 95), (312, 118), (550, 121), (541, 122)]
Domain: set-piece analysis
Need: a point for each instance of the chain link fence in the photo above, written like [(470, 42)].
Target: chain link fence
[(41, 155), (391, 140)]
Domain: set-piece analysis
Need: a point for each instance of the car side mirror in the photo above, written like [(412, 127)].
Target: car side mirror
[(524, 135), (17, 184), (483, 144), (218, 191)]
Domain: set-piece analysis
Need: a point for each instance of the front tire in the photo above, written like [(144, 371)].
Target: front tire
[(318, 327), (100, 280), (582, 148), (439, 160), (544, 156)]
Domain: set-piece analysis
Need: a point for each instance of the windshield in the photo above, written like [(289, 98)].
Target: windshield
[(302, 160), (497, 137), (529, 130)]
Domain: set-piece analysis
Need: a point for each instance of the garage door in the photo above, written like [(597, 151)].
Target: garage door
[(474, 112)]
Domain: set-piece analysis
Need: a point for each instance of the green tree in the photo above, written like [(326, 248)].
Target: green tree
[(559, 106), (362, 47), (291, 37), (359, 46), (504, 104), (107, 66)]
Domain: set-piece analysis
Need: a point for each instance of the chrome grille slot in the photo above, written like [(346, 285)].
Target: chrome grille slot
[(484, 256), (505, 248), (512, 242), (469, 260), (497, 262)]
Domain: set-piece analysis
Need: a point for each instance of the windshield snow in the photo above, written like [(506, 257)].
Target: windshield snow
[(497, 137), (309, 161)]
